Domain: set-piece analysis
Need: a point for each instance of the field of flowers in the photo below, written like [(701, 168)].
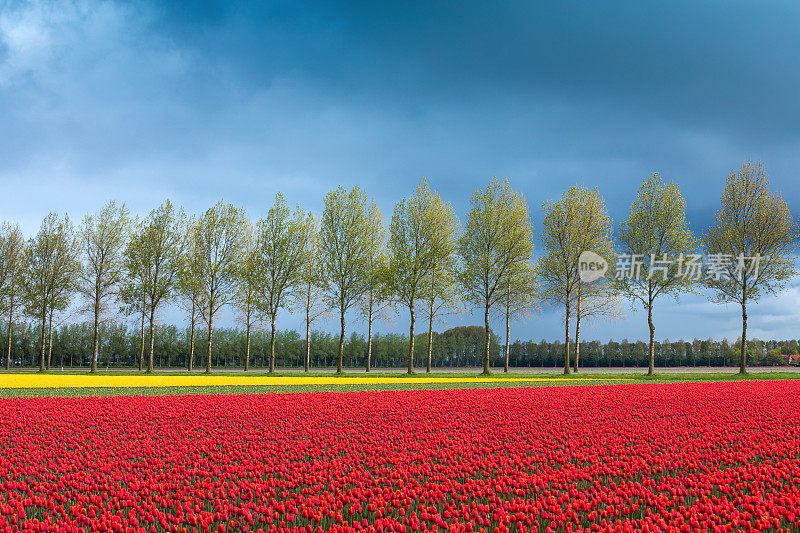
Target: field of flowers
[(680, 457), (14, 385)]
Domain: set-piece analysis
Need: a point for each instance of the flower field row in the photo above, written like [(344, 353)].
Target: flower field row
[(678, 457), (45, 381)]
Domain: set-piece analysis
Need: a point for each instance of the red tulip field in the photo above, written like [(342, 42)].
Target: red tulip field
[(652, 457)]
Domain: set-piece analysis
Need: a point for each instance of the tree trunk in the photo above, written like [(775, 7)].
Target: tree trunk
[(577, 331), (566, 337), (43, 337), (50, 341), (308, 339), (369, 338), (486, 335), (96, 335), (152, 338), (508, 338), (208, 346), (191, 340), (430, 341), (411, 339), (141, 353), (247, 348), (340, 356), (272, 346), (577, 343), (743, 347), (651, 368), (10, 321)]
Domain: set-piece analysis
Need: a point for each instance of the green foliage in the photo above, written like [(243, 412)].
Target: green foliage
[(751, 222), (345, 236), (656, 230), (216, 249), (102, 240), (494, 249), (577, 222), (158, 245), (422, 242), (12, 263), (12, 257), (280, 252), (51, 272)]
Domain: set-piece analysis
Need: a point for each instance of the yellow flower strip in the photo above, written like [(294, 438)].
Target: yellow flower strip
[(37, 381)]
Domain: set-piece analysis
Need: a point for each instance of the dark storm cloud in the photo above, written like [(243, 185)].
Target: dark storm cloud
[(714, 64)]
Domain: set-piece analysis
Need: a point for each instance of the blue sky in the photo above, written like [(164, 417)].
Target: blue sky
[(196, 101)]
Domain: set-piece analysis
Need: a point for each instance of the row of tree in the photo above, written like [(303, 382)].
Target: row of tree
[(456, 347), (752, 221), (425, 263)]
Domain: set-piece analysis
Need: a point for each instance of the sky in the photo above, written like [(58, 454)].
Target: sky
[(201, 101)]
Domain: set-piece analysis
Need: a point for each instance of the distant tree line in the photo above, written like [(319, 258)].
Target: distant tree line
[(115, 268), (456, 347), (461, 346)]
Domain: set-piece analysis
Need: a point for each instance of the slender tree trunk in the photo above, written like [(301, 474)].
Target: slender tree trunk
[(411, 339), (44, 332), (369, 337), (743, 347), (577, 341), (96, 335), (208, 346), (652, 349), (577, 329), (141, 352), (508, 337), (190, 363), (430, 341), (308, 338), (272, 346), (247, 349), (340, 356), (486, 335), (10, 322), (50, 340), (152, 338), (566, 336)]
